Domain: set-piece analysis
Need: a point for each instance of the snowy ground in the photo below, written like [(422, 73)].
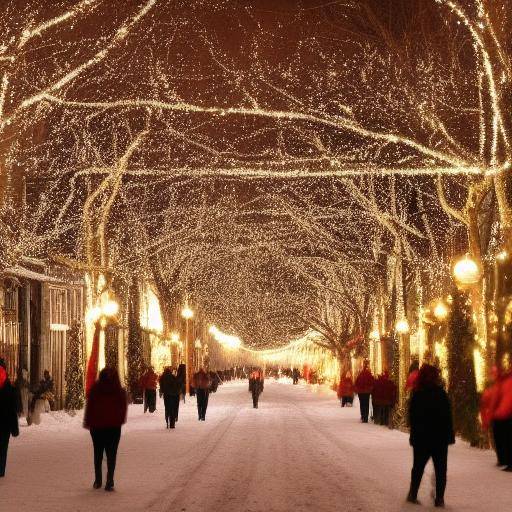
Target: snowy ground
[(298, 452)]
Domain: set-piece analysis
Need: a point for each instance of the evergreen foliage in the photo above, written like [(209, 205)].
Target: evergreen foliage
[(134, 355), (462, 380), (74, 374)]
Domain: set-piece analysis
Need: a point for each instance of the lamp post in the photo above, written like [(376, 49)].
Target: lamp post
[(466, 272), (402, 329), (187, 314)]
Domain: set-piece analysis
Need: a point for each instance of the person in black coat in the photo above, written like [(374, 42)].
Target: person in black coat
[(170, 388), (430, 418), (256, 387), (8, 415)]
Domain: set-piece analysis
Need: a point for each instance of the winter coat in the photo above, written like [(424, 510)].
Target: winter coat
[(201, 380), (45, 389), (384, 391), (430, 418), (8, 406), (256, 385), (149, 380), (346, 387), (412, 380), (502, 407), (364, 382), (170, 384), (486, 404), (106, 405)]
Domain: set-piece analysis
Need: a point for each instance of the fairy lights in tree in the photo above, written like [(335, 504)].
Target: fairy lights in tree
[(163, 140)]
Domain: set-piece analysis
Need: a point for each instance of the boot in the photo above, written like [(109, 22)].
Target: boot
[(109, 486), (96, 484), (439, 502), (411, 498)]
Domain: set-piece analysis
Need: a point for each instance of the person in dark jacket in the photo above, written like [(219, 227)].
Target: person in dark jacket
[(364, 387), (8, 415), (430, 418), (201, 383), (383, 398), (105, 412), (256, 387), (182, 377), (148, 383), (170, 389)]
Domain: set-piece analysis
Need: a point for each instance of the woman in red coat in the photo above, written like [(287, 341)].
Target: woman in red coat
[(346, 390), (502, 420), (105, 412), (364, 387)]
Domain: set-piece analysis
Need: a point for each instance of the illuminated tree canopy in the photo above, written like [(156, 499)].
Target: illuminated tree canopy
[(260, 158)]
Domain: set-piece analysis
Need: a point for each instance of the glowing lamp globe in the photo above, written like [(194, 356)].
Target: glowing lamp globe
[(175, 337), (93, 314), (111, 308), (402, 326), (187, 313), (466, 272), (440, 311), (198, 343)]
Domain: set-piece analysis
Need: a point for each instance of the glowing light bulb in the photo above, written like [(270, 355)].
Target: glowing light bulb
[(111, 308), (93, 314), (187, 313), (402, 326), (440, 311), (466, 272)]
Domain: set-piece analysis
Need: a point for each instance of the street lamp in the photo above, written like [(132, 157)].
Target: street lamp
[(440, 311), (466, 272), (402, 326), (187, 314)]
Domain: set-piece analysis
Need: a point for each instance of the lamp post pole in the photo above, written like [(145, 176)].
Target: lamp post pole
[(187, 314), (187, 360)]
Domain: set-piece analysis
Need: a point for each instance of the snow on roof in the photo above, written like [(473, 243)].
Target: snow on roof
[(18, 271), (33, 261)]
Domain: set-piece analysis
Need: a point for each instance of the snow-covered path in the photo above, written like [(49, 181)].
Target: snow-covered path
[(298, 452)]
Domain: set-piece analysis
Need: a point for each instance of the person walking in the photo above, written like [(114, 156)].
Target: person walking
[(182, 377), (170, 388), (8, 415), (346, 390), (502, 420), (295, 375), (384, 397), (148, 383), (364, 386), (430, 418), (105, 412), (201, 383), (488, 402), (256, 386)]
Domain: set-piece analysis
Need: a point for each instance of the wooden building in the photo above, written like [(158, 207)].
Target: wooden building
[(39, 304)]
